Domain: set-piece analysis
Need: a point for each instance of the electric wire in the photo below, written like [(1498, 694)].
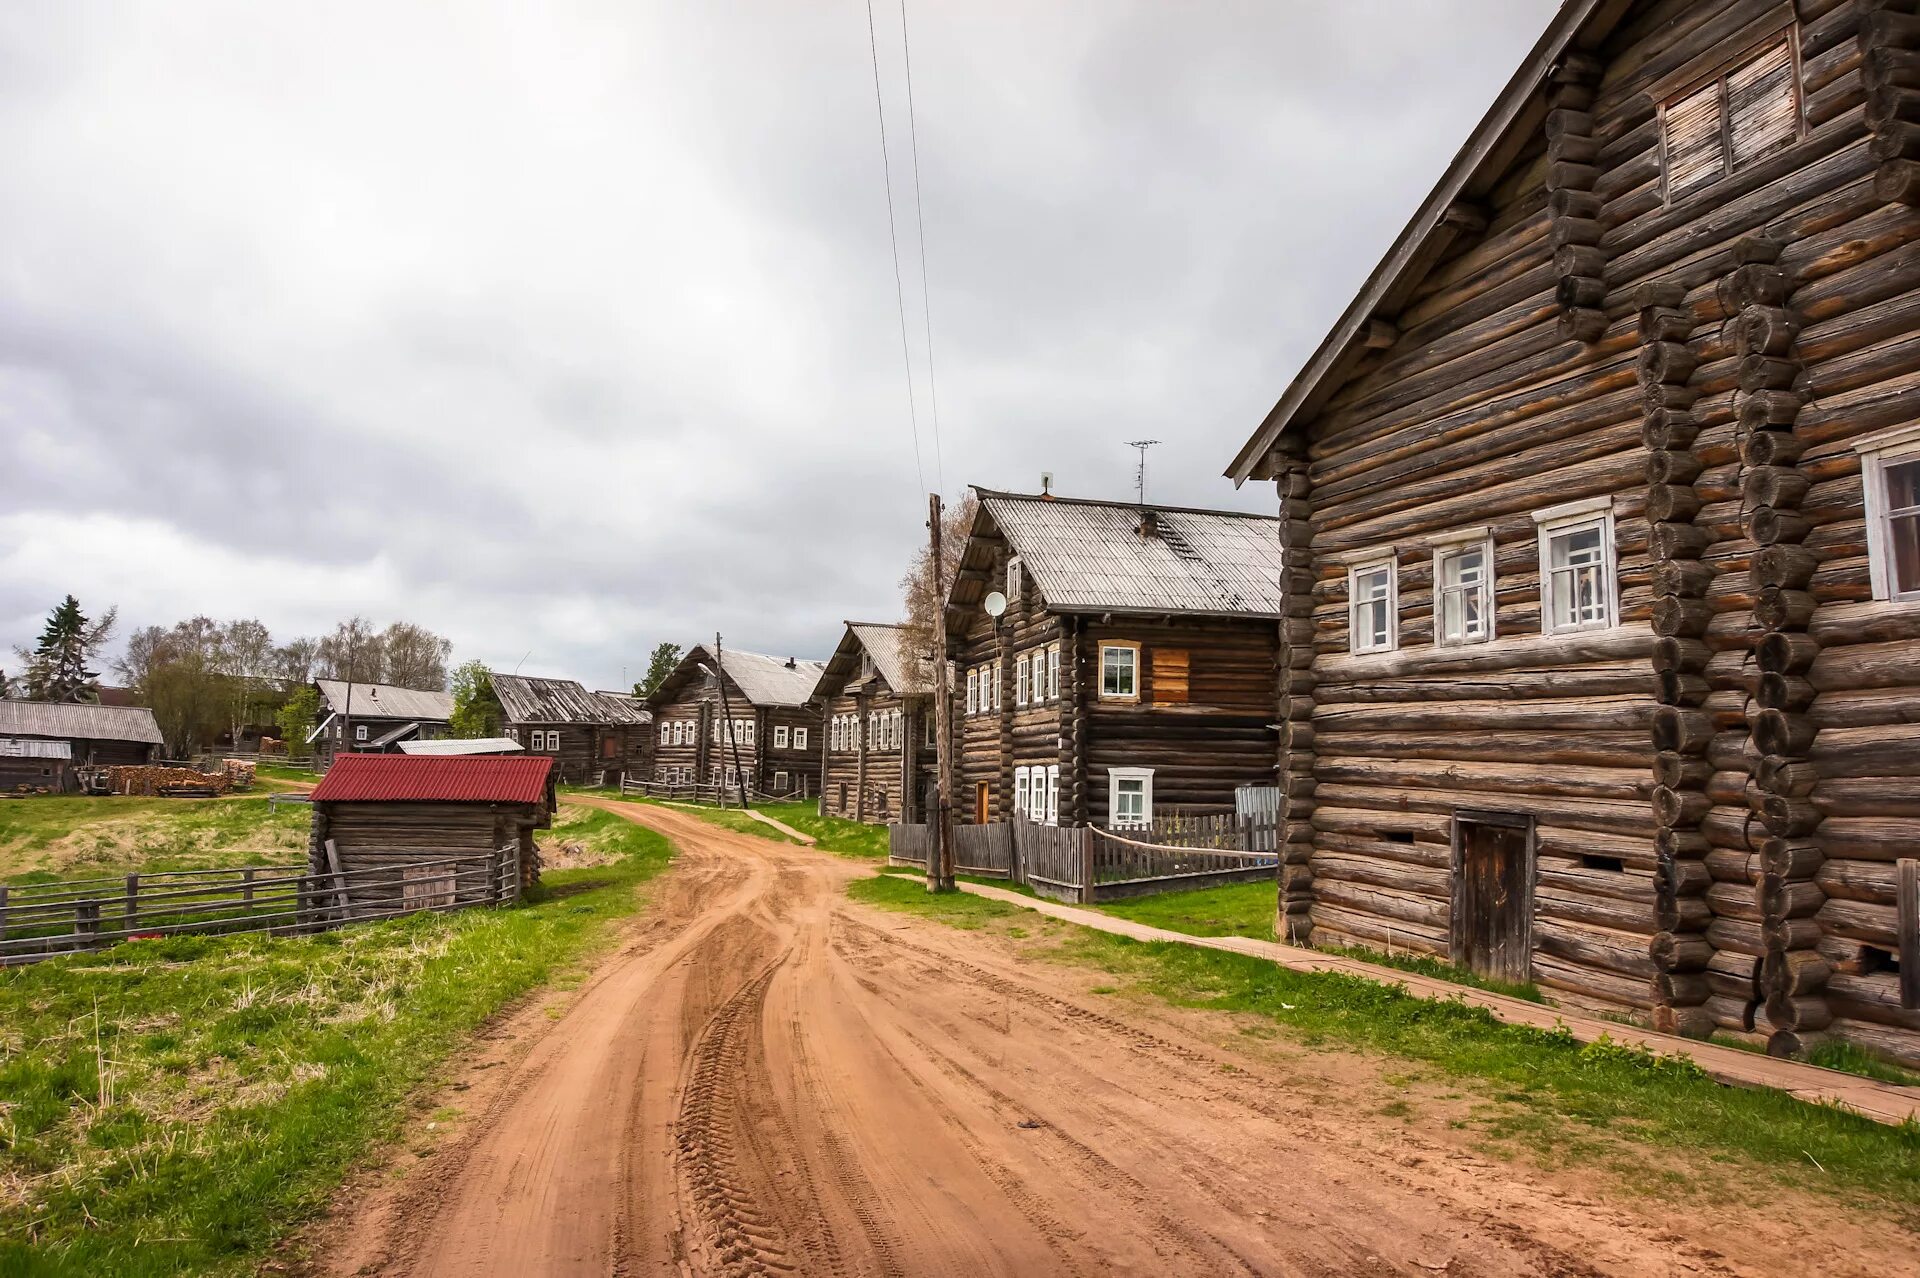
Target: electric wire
[(920, 224), (899, 290)]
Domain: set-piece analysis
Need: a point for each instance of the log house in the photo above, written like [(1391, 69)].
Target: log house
[(877, 746), (1600, 509), (375, 718), (1133, 666), (588, 735), (43, 742), (775, 722)]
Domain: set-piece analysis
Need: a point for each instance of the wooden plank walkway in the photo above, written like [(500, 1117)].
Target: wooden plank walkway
[(781, 826), (1882, 1102)]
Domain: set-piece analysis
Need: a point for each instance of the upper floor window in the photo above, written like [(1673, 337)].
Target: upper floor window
[(359, 732), (1741, 113), (1053, 671), (1015, 577), (1120, 671), (973, 691), (1577, 567), (1372, 606), (780, 736), (799, 738), (1463, 591), (1890, 471)]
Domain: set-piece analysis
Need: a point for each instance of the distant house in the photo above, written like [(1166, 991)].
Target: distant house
[(41, 743), (374, 718), (763, 720), (587, 734), (877, 747), (1132, 668), (463, 745)]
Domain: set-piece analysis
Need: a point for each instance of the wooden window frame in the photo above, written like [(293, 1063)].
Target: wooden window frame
[(973, 691), (1022, 679), (1053, 794), (1120, 645), (1444, 549), (781, 736), (359, 733), (780, 783), (1114, 777), (1016, 578), (1388, 562), (1053, 672), (1713, 68), (1877, 452), (1559, 520), (1023, 792), (799, 738)]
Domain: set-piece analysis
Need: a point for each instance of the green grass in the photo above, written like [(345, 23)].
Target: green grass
[(174, 1107), (1857, 1060), (1543, 1090), (75, 836), (843, 838), (1440, 970), (902, 892), (1235, 909)]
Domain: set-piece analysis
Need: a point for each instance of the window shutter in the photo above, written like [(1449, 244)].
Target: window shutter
[(1695, 150), (1170, 676), (1760, 104)]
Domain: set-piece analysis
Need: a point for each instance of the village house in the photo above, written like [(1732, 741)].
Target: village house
[(374, 718), (1131, 669), (877, 749), (589, 735), (1602, 538), (42, 742), (760, 721)]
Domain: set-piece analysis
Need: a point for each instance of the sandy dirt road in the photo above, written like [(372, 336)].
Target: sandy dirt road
[(771, 1079)]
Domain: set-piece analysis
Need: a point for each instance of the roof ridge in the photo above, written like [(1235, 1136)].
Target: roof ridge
[(1115, 504)]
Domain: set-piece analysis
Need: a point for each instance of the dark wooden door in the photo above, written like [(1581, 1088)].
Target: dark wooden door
[(1493, 897)]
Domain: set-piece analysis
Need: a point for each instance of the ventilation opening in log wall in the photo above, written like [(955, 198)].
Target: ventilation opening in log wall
[(1589, 861)]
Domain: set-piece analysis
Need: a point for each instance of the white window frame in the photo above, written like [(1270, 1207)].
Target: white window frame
[(1379, 561), (1877, 452), (929, 728), (1133, 656), (1022, 791), (799, 738), (1053, 794), (1022, 679), (779, 783), (973, 691), (781, 736), (1053, 672), (1114, 777), (1444, 548), (1016, 577), (998, 696), (1570, 517), (359, 732)]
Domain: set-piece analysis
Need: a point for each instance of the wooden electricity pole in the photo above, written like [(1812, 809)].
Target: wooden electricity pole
[(940, 856)]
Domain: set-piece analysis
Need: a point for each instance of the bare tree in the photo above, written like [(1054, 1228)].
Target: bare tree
[(917, 585), (416, 657), (353, 652), (293, 661)]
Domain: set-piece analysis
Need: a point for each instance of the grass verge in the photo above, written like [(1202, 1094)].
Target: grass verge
[(172, 1107), (74, 836), (1546, 1089), (842, 838)]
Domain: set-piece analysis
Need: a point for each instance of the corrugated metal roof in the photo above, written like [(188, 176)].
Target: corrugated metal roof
[(382, 778), (77, 721), (384, 701), (462, 745), (886, 643), (771, 681), (1090, 556), (530, 700)]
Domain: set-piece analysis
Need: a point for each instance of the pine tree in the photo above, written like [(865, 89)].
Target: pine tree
[(58, 668)]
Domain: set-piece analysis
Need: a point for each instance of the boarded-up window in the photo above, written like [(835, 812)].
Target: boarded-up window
[(1743, 114), (1170, 676)]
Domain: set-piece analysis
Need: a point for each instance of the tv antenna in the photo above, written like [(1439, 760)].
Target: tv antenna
[(1140, 472)]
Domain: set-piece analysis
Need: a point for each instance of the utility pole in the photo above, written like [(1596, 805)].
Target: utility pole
[(940, 856), (726, 711)]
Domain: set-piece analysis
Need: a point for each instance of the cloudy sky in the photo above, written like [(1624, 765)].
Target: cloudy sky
[(567, 328)]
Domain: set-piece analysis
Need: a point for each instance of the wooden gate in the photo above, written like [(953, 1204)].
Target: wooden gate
[(1493, 854)]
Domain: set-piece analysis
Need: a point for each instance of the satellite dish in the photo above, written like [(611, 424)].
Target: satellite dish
[(995, 603)]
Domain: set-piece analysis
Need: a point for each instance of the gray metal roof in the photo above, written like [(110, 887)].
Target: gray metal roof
[(1090, 556), (384, 701), (463, 745), (904, 672), (79, 722), (529, 700), (772, 681)]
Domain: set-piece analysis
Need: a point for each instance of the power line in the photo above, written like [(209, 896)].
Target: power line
[(899, 290), (920, 222)]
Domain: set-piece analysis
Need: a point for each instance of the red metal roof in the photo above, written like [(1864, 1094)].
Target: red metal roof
[(435, 779)]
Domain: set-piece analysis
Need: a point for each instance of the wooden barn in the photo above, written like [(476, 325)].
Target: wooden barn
[(877, 747), (43, 742), (448, 826), (761, 718), (588, 735), (1601, 524), (1132, 670), (375, 718)]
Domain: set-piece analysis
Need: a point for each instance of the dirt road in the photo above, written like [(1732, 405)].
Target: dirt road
[(771, 1079)]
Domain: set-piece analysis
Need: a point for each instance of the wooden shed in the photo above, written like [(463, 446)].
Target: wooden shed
[(877, 746), (42, 743), (397, 810), (588, 735), (1601, 523), (1132, 670), (763, 720)]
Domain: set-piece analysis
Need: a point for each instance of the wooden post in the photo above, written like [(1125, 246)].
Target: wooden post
[(86, 921), (3, 911), (940, 862), (732, 740), (340, 900), (1908, 927), (1086, 864), (246, 886), (132, 914)]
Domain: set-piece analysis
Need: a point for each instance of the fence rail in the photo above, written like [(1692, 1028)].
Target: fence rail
[(985, 850), (726, 796), (69, 916)]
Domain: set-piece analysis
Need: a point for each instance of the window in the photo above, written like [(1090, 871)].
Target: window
[(1132, 797), (359, 732), (1053, 794), (747, 735), (1015, 578), (1742, 114), (1890, 471), (973, 691), (1120, 671), (1463, 591), (996, 684), (1053, 672), (1373, 606), (799, 738), (1021, 668), (780, 737), (1576, 566), (609, 747), (1022, 792), (930, 726), (779, 783)]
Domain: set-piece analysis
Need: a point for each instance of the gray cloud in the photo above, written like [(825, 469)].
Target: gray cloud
[(571, 328)]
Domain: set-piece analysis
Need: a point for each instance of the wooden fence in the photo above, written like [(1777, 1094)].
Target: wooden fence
[(726, 796), (1086, 865), (42, 920)]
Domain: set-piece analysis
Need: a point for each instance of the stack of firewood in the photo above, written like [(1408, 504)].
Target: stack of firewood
[(144, 780), (239, 773)]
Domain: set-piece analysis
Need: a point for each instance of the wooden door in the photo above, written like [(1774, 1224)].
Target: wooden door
[(1493, 894), (982, 802)]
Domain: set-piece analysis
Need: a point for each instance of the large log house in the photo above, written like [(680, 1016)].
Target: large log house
[(878, 754), (767, 720), (588, 735), (1132, 669), (1601, 522)]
